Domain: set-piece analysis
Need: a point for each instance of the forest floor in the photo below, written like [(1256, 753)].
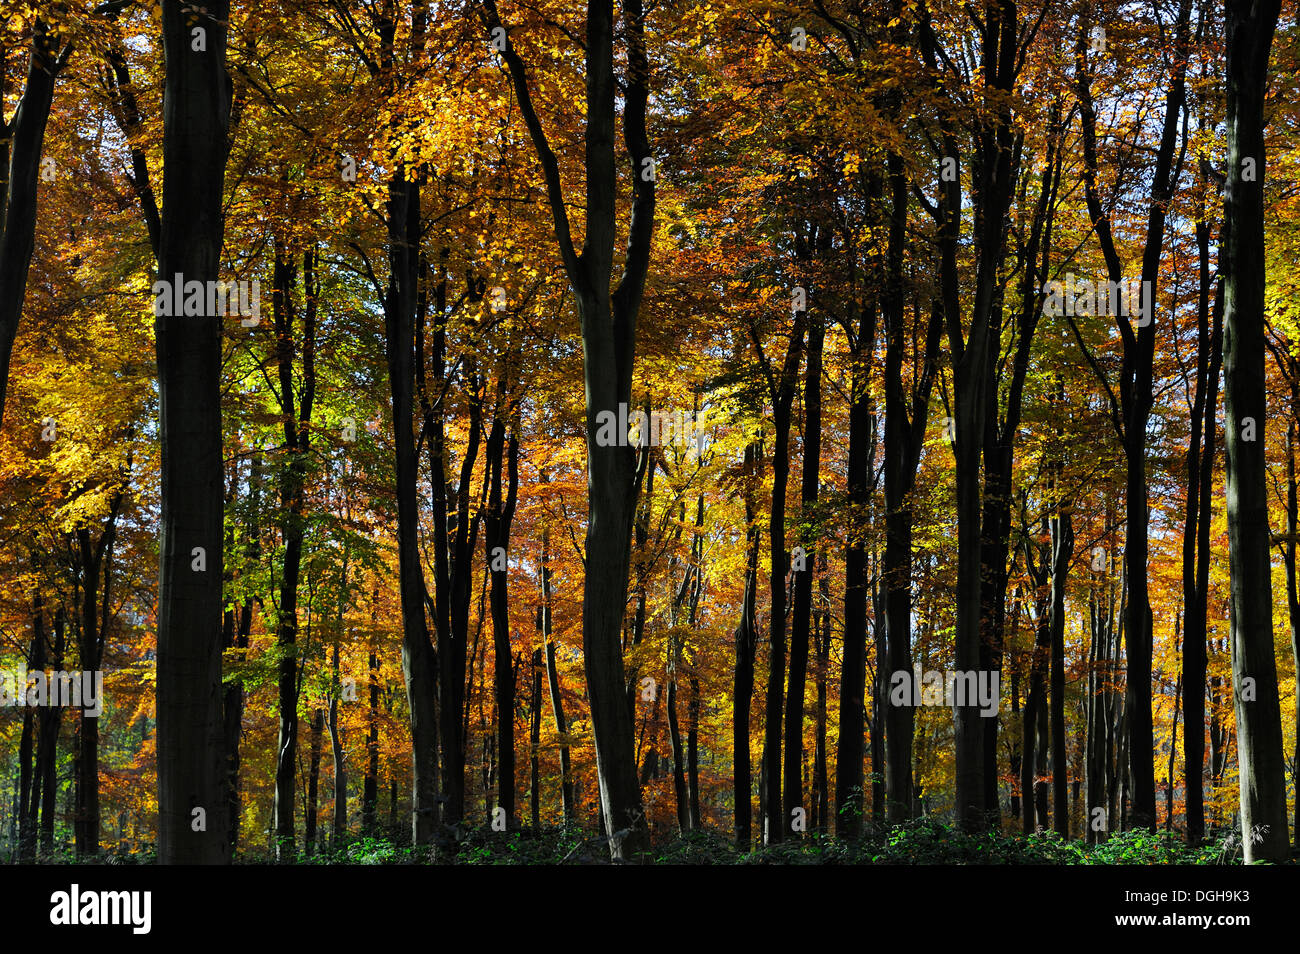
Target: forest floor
[(922, 842)]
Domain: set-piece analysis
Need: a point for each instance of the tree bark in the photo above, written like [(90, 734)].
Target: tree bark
[(1259, 724), (196, 112)]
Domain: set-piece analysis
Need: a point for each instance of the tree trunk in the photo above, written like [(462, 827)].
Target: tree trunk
[(746, 641), (191, 797), (782, 396), (313, 780), (553, 685), (20, 163), (496, 540), (609, 345), (295, 416), (1062, 556), (535, 739), (1250, 28), (803, 577), (1196, 535), (417, 652), (849, 786)]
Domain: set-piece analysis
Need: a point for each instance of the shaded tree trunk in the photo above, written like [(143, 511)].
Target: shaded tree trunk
[(192, 818), (1255, 691)]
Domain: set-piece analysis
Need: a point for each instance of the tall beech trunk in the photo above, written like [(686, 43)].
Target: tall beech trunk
[(315, 746), (336, 750), (1062, 530), (803, 576), (1292, 590), (1033, 729), (1254, 672), (608, 318), (746, 642), (370, 783), (235, 631), (95, 560), (1000, 431), (995, 171), (849, 784), (906, 416), (535, 739), (418, 659), (28, 779), (496, 541), (822, 648), (781, 391), (192, 819), (295, 416), (1132, 411), (567, 800), (1196, 533), (49, 721)]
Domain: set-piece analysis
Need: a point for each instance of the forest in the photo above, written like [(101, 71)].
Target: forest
[(696, 431)]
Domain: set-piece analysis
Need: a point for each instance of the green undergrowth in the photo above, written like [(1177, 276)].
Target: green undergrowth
[(923, 842)]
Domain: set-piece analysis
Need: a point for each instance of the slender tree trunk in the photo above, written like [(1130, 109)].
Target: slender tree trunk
[(568, 803), (1255, 691), (336, 754), (50, 721), (1196, 539), (316, 745), (29, 782), (496, 540), (746, 641), (20, 163), (782, 394), (418, 659), (803, 576), (849, 786), (535, 740), (1062, 556)]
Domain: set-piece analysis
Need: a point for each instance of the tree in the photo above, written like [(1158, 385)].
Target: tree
[(1254, 670), (608, 318), (192, 820)]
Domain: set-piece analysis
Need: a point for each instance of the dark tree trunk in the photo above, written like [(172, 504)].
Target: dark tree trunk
[(803, 576), (1254, 671), (849, 785), (822, 644), (295, 416), (29, 782), (50, 720), (781, 391), (316, 744), (192, 819), (496, 540), (336, 752), (1196, 535), (746, 642), (1062, 555), (418, 658), (20, 162), (608, 320), (370, 784), (553, 686), (535, 739)]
